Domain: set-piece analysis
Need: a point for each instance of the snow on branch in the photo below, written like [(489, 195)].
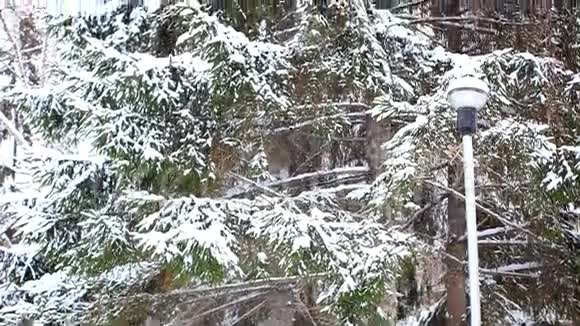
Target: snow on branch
[(485, 210), (302, 178), (314, 121), (13, 130), (414, 20)]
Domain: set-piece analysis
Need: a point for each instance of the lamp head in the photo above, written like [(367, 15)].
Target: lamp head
[(467, 92)]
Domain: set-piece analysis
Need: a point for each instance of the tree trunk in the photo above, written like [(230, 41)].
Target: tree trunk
[(476, 6), (434, 8), (524, 7), (453, 33), (455, 278)]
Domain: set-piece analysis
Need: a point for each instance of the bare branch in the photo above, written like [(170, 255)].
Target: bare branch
[(414, 20), (485, 210), (468, 27), (13, 130), (43, 67), (408, 5), (508, 242), (494, 272), (16, 49), (263, 188), (303, 308), (422, 210), (356, 171), (366, 111), (227, 305), (491, 232), (250, 312)]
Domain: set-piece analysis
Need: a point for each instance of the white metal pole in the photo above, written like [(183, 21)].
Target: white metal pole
[(473, 257)]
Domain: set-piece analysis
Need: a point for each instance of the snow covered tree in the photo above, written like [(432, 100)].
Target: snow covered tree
[(233, 164), (179, 106)]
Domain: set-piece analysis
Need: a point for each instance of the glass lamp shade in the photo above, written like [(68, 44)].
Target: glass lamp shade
[(467, 92)]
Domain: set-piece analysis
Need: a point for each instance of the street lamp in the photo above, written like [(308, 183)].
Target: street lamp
[(467, 95)]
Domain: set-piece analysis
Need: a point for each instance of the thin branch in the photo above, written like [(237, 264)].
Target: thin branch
[(518, 267), (422, 210), (263, 188), (353, 171), (508, 242), (490, 232), (250, 285), (303, 308), (354, 105), (468, 27), (341, 139), (485, 210), (227, 305), (43, 67), (494, 272), (16, 49), (408, 5), (13, 130), (250, 312), (414, 20)]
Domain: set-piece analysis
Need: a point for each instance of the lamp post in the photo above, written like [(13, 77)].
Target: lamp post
[(467, 95)]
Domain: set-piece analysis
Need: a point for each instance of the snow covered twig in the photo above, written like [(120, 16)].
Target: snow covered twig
[(13, 130), (358, 170)]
